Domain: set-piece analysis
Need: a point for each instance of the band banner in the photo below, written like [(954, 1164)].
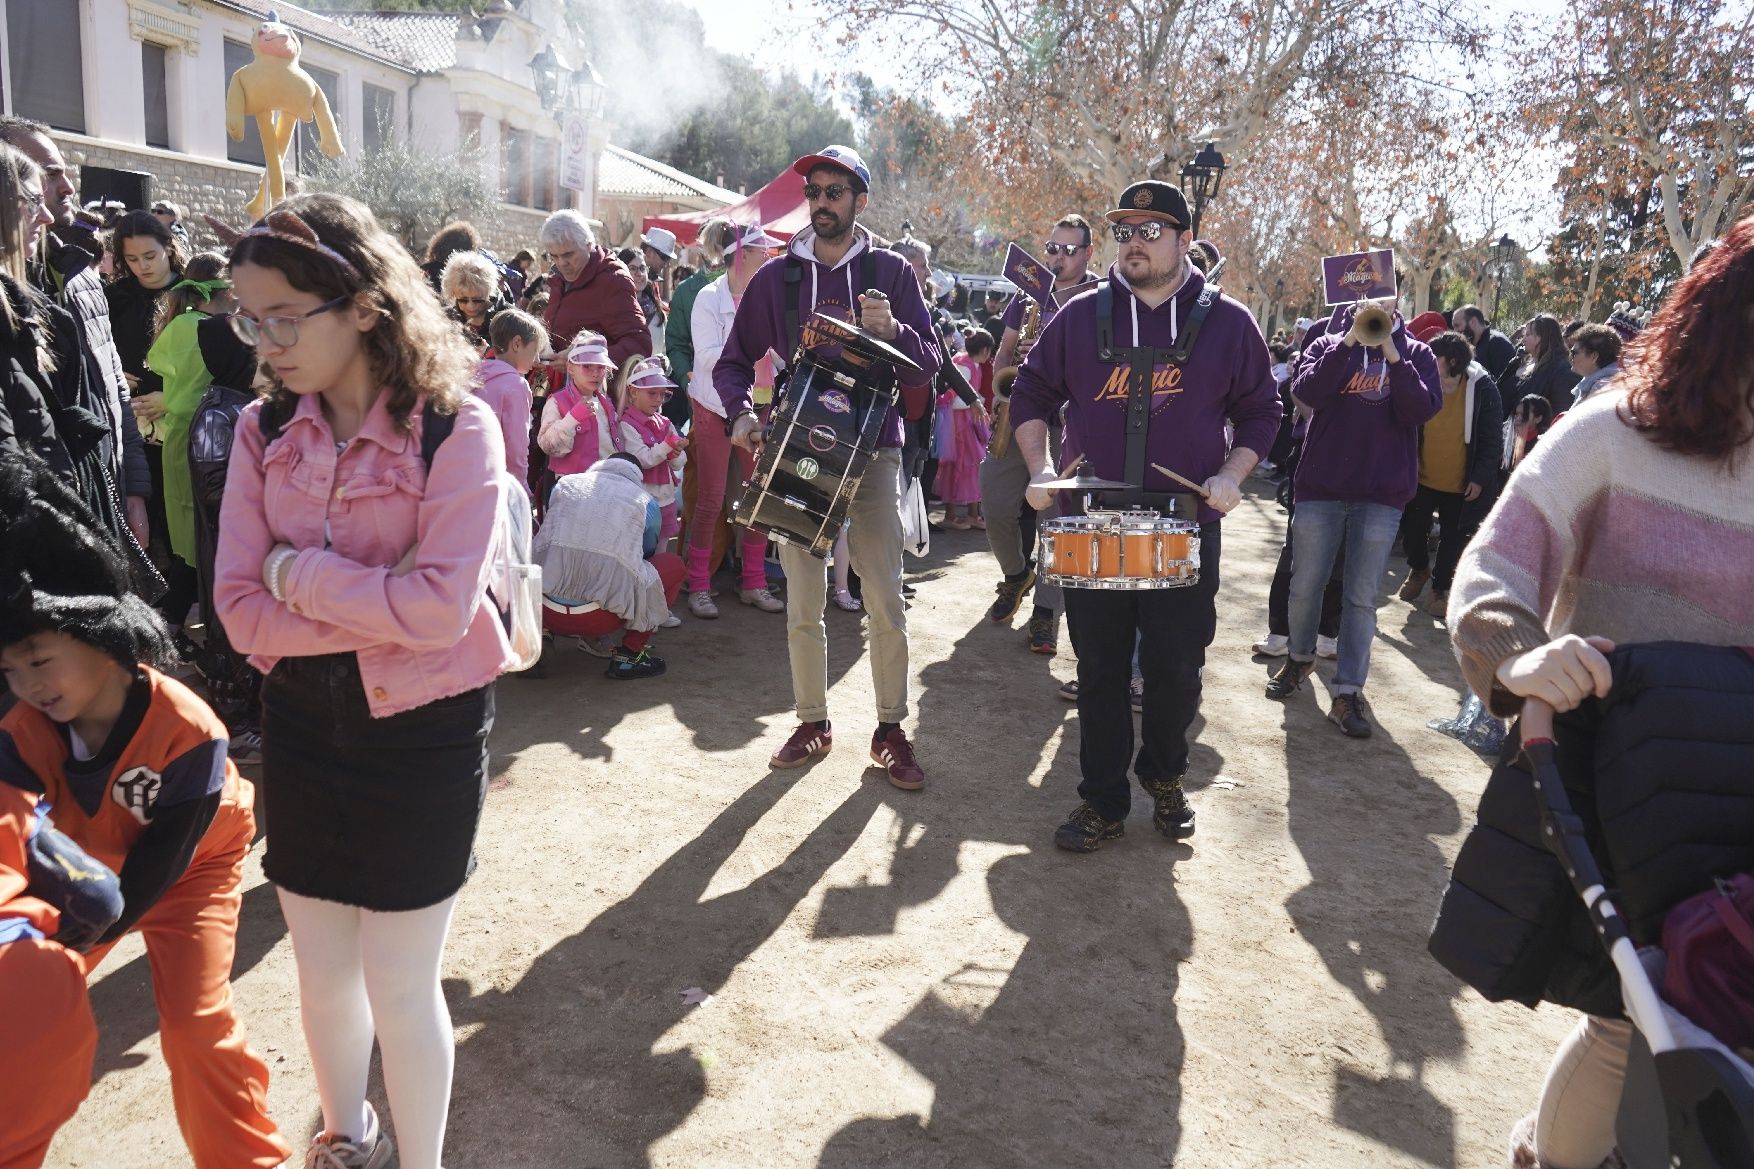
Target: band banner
[(1030, 275), (1359, 276)]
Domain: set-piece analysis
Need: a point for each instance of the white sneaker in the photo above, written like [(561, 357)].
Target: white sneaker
[(670, 621), (1327, 647), (762, 599), (372, 1151), (599, 647), (701, 605), (1274, 645)]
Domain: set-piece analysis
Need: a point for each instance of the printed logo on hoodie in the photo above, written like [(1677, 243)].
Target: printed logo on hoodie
[(1370, 383), (1166, 382)]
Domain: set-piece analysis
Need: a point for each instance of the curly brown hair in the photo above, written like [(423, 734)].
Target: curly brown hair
[(414, 349), (1689, 375)]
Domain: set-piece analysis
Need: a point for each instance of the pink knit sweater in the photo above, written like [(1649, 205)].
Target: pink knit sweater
[(1602, 532)]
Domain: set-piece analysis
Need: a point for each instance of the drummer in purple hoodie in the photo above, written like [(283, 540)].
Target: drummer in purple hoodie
[(829, 268), (1360, 467), (1207, 365)]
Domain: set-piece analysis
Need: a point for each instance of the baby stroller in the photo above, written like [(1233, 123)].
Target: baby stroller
[(1688, 1100)]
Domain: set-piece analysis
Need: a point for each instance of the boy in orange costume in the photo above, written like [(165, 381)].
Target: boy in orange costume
[(135, 767), (45, 1064)]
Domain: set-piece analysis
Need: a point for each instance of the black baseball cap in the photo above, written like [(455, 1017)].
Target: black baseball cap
[(1155, 199)]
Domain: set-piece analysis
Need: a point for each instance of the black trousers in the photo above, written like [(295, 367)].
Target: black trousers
[(1279, 594), (1172, 627), (1453, 527)]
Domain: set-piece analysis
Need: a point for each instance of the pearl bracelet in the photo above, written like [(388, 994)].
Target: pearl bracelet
[(272, 572)]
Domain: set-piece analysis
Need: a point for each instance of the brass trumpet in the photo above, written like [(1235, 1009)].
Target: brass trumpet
[(1000, 441), (1372, 324)]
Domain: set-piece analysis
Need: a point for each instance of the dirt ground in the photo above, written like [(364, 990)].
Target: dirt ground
[(921, 980)]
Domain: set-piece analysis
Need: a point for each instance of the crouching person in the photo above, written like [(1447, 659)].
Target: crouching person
[(601, 571)]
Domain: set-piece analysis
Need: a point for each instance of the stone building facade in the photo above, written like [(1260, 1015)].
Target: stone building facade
[(139, 86)]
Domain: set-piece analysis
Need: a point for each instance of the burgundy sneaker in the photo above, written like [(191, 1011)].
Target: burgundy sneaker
[(896, 755), (806, 743)]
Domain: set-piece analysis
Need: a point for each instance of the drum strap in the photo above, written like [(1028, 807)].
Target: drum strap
[(1142, 361), (795, 286)]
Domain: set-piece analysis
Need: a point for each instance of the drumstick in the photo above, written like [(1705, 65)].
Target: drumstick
[(1188, 483), (1071, 466)]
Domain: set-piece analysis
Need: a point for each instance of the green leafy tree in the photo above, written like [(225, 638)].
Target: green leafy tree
[(412, 190)]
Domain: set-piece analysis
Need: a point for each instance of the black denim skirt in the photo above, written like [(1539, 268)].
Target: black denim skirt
[(374, 812)]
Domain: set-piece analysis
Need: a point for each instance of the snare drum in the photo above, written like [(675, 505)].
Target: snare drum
[(1120, 550)]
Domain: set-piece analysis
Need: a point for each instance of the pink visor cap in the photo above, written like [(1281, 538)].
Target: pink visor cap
[(589, 353), (650, 375), (751, 237)]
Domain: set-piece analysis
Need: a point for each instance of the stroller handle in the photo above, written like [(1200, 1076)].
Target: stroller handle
[(1537, 719)]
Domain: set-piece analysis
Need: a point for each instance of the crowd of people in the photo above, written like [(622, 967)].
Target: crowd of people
[(252, 503)]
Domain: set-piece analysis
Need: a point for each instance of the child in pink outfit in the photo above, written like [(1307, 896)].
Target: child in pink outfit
[(579, 424), (519, 339), (652, 439), (959, 472)]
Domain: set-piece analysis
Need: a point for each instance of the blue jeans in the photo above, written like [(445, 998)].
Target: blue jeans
[(1320, 528)]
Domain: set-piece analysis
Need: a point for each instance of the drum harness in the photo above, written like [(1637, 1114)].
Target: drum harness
[(1142, 361)]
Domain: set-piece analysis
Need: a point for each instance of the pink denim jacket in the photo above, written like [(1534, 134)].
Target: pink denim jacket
[(419, 637)]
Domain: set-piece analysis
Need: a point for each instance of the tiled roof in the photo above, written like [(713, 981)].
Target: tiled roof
[(426, 41), (320, 25), (624, 173)]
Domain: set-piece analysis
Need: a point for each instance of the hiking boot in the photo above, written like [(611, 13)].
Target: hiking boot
[(1173, 816), (1414, 583), (1041, 636), (334, 1151), (762, 599), (1327, 648), (701, 605), (1437, 604), (1289, 678), (1085, 830), (806, 743), (1069, 690), (1274, 645), (1348, 714), (1010, 597), (628, 666), (895, 754)]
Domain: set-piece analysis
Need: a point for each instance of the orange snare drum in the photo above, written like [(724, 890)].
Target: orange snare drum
[(1120, 550)]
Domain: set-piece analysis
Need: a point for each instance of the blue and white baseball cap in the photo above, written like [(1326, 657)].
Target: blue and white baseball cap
[(843, 157)]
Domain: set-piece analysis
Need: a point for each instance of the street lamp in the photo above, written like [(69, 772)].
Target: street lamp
[(1502, 253), (589, 90), (545, 66), (1200, 180), (1278, 303)]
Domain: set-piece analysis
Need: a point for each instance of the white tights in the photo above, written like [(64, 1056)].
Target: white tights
[(357, 967)]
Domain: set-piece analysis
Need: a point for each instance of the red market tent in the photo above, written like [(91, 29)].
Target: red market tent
[(779, 207)]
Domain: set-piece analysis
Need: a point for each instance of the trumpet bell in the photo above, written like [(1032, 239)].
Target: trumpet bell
[(1373, 324)]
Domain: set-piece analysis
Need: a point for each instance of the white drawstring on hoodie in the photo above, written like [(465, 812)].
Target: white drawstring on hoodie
[(1133, 297)]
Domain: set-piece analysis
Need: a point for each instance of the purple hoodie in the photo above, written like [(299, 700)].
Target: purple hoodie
[(760, 324), (1228, 377), (1363, 442)]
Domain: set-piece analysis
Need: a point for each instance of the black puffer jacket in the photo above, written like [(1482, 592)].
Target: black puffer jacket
[(72, 281), (133, 313), (1662, 774)]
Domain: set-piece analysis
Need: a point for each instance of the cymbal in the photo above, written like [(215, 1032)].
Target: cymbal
[(824, 329), (1082, 483)]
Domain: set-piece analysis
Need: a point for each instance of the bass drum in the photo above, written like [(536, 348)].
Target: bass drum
[(823, 431)]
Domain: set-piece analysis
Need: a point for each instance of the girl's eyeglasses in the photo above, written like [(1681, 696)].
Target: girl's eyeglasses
[(280, 331)]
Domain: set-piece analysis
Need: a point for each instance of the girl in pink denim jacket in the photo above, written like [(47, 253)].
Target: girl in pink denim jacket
[(579, 424), (357, 536)]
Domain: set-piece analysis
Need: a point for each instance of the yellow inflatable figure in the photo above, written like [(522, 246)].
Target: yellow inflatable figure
[(279, 95)]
